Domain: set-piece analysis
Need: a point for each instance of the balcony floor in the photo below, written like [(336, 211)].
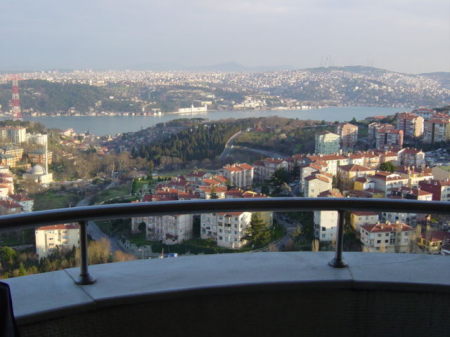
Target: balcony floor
[(130, 287)]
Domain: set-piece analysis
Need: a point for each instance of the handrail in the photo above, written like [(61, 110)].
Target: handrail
[(114, 211)]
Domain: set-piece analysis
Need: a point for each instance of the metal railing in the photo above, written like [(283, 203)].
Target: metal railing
[(115, 211)]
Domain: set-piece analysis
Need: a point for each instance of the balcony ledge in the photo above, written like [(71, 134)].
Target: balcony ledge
[(52, 295)]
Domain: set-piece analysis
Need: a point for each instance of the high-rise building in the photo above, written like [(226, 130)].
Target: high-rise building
[(388, 139), (349, 135), (373, 127), (436, 130), (327, 143), (410, 124)]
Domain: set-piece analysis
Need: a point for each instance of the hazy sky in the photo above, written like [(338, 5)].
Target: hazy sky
[(404, 35)]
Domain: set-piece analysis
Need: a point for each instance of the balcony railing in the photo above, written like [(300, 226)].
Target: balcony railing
[(115, 211)]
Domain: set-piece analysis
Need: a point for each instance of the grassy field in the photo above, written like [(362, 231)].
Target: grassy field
[(55, 199), (120, 193)]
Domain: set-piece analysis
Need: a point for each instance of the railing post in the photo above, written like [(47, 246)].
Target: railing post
[(338, 262), (85, 278)]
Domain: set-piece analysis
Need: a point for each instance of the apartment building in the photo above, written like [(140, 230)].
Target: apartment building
[(411, 157), (227, 229), (13, 134), (348, 134), (327, 143), (372, 130), (325, 222), (439, 189), (436, 130), (168, 229), (387, 237), (386, 139), (54, 237), (411, 124), (316, 184), (264, 169), (239, 175), (330, 162), (38, 156), (347, 174), (358, 219), (385, 182)]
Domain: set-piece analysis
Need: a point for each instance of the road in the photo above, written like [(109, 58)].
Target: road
[(228, 146), (289, 226), (259, 151), (96, 233)]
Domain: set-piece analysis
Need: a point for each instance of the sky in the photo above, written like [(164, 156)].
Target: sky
[(411, 36)]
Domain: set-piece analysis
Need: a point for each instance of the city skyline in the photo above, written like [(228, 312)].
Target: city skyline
[(404, 36)]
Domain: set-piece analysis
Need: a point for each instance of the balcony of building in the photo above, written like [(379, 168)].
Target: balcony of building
[(251, 294)]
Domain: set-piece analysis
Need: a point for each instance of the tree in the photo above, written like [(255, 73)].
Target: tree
[(258, 234), (387, 166), (213, 194)]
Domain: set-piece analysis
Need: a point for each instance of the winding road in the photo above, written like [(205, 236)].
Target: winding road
[(229, 147)]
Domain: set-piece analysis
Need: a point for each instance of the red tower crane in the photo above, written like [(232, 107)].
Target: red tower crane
[(16, 111)]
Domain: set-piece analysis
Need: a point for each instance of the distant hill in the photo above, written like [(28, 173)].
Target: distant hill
[(47, 96), (442, 77)]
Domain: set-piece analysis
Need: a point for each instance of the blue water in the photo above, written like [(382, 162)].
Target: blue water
[(119, 124)]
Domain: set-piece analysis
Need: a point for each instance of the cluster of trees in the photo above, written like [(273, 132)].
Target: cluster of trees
[(47, 96), (198, 142), (14, 263), (284, 135)]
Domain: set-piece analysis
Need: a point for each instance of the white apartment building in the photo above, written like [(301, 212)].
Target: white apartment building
[(239, 175), (316, 184), (411, 157), (13, 134), (38, 138), (227, 229), (387, 237), (385, 182), (325, 225), (327, 143), (326, 222), (50, 238), (331, 161), (264, 169), (360, 218), (169, 229)]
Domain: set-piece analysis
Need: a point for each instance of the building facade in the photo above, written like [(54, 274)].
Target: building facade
[(54, 237), (348, 134), (227, 229), (411, 124), (327, 143), (387, 237)]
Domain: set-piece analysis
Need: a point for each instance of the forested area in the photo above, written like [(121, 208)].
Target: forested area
[(205, 140)]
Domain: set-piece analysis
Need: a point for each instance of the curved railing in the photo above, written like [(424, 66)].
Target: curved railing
[(115, 211)]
